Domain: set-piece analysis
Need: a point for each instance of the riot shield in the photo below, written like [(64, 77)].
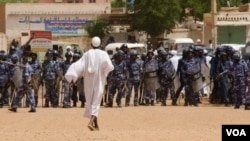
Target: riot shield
[(200, 82), (17, 77)]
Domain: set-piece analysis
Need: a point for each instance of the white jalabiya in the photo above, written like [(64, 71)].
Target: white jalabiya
[(175, 61), (94, 66)]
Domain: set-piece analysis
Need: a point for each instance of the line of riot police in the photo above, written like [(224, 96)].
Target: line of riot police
[(154, 76), (49, 74)]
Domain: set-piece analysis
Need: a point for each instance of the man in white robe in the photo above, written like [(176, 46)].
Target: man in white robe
[(94, 66)]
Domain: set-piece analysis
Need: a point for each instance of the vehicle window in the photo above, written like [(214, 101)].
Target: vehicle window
[(182, 45), (110, 52)]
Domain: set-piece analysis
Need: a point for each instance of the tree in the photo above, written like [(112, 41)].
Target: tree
[(117, 3), (196, 7), (155, 16), (97, 28)]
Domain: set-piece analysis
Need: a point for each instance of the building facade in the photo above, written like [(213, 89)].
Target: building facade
[(233, 25), (66, 21)]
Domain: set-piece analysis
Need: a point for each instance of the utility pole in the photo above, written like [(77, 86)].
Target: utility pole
[(214, 17)]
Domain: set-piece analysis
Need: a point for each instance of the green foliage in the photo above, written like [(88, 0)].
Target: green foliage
[(117, 3), (155, 16), (197, 8), (245, 1), (232, 2), (97, 28)]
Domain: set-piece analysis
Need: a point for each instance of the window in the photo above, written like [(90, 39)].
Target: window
[(92, 1)]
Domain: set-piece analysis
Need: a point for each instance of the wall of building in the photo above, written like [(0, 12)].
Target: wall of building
[(65, 20)]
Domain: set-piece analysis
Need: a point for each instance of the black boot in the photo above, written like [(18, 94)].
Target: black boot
[(152, 103), (82, 105), (147, 102), (13, 109), (163, 103), (174, 102), (36, 100), (91, 125), (46, 104), (74, 104)]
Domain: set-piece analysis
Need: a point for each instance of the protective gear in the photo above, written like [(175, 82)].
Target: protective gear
[(14, 57), (124, 46), (77, 52), (55, 53), (68, 54), (76, 55), (49, 53), (143, 56), (150, 51), (12, 50), (33, 54), (190, 50), (14, 42), (223, 54), (96, 41), (192, 47), (164, 53), (236, 57), (68, 47), (120, 53), (133, 52), (2, 56)]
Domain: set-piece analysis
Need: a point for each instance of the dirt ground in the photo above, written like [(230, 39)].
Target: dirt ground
[(143, 123)]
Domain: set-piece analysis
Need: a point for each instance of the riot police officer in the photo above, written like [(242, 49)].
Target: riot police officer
[(166, 76), (117, 79), (49, 76), (67, 88), (134, 69)]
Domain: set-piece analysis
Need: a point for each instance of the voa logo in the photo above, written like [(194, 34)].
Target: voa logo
[(236, 132)]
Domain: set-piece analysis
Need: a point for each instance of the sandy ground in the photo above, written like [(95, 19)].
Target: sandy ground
[(172, 123)]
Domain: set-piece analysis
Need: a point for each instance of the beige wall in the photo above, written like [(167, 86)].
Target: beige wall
[(25, 17)]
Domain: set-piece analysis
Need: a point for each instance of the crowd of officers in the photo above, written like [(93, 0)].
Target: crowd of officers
[(151, 76)]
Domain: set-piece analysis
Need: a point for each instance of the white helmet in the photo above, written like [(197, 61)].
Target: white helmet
[(68, 47), (96, 41), (198, 40)]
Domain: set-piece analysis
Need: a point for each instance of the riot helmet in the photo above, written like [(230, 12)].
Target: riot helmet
[(76, 56), (68, 54), (236, 57), (14, 58), (120, 53), (55, 53), (144, 56), (133, 53), (14, 42)]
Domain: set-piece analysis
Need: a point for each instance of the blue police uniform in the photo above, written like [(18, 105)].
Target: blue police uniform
[(150, 71), (25, 87), (35, 65), (117, 82), (223, 83), (190, 68), (239, 71), (4, 75), (134, 69), (166, 77), (67, 89), (49, 76)]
